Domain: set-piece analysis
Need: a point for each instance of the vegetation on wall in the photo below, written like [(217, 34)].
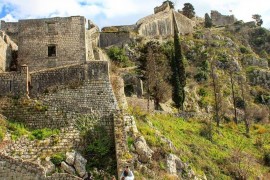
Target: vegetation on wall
[(118, 56)]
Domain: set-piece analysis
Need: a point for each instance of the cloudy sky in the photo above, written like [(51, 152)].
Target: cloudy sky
[(124, 12)]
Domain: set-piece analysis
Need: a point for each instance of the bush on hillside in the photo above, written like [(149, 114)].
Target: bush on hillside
[(118, 56), (58, 158)]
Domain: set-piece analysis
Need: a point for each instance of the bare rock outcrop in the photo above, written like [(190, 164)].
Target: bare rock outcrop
[(6, 48), (143, 150)]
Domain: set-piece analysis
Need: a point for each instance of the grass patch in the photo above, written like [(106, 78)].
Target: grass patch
[(213, 158)]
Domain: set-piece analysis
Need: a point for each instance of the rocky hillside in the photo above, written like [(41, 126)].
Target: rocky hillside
[(234, 59)]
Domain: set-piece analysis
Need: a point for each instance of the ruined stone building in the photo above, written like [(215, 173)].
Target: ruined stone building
[(222, 20), (50, 42)]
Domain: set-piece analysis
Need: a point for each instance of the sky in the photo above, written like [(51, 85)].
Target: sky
[(126, 12)]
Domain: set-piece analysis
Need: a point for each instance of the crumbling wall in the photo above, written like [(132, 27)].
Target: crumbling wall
[(11, 29), (66, 34), (11, 168), (14, 83), (222, 20), (114, 38)]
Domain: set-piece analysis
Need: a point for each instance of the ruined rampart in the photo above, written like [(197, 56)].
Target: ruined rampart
[(11, 168), (222, 20)]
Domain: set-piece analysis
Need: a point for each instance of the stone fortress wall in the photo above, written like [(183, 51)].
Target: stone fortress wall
[(14, 83), (222, 20), (66, 35)]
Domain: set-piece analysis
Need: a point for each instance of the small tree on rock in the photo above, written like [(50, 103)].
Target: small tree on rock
[(188, 10), (207, 21), (257, 19)]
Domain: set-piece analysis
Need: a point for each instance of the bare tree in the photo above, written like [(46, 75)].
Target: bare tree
[(216, 93), (231, 73), (243, 87)]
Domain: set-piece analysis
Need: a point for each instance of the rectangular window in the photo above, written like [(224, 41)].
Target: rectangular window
[(51, 50)]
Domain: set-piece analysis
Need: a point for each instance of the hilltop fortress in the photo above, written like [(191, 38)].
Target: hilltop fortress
[(56, 64)]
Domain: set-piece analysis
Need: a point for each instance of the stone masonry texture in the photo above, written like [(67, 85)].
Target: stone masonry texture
[(66, 34)]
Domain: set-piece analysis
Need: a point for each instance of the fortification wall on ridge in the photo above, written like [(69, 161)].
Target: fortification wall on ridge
[(114, 38), (52, 42), (160, 24), (222, 20)]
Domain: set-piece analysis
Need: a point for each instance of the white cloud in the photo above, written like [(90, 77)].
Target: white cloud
[(9, 18), (119, 12)]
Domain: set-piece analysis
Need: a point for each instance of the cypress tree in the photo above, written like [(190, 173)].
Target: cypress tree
[(207, 21), (179, 75)]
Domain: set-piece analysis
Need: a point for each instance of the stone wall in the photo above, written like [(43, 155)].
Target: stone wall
[(114, 38), (37, 150), (42, 80), (70, 92), (14, 83), (11, 169), (160, 24), (11, 29), (37, 35), (125, 28), (222, 20), (184, 24)]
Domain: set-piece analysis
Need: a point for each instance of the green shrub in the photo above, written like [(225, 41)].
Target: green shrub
[(41, 134), (100, 150), (206, 132), (58, 158), (240, 103), (201, 76), (130, 142), (2, 134), (266, 158), (118, 56), (244, 50), (202, 92), (2, 129), (17, 130)]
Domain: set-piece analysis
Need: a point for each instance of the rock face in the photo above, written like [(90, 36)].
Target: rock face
[(144, 152), (176, 167), (253, 61), (6, 48), (67, 168), (80, 163), (75, 159), (260, 77), (161, 24), (222, 20), (49, 166), (70, 158)]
